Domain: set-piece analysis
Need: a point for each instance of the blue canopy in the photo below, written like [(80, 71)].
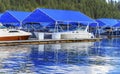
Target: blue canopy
[(0, 15), (117, 25), (107, 22), (13, 16), (54, 15), (99, 23)]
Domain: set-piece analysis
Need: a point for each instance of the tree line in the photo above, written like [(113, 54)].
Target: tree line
[(93, 8)]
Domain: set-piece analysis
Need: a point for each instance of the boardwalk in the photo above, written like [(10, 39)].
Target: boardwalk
[(46, 41)]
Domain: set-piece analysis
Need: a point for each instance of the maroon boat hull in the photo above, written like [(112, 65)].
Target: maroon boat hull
[(11, 38)]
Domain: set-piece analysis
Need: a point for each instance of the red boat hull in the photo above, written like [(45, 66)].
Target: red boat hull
[(11, 38)]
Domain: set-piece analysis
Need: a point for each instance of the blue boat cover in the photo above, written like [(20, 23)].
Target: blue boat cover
[(107, 22), (54, 15), (13, 16)]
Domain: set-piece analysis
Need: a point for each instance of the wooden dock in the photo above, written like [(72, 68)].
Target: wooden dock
[(46, 41)]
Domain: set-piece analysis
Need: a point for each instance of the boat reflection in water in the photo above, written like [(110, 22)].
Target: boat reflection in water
[(71, 58)]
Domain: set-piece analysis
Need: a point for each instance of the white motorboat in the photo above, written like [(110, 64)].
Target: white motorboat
[(12, 34), (79, 33)]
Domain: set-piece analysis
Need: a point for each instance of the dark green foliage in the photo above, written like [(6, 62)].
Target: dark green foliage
[(93, 8)]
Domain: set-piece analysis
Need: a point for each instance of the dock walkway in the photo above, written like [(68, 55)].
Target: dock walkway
[(46, 41)]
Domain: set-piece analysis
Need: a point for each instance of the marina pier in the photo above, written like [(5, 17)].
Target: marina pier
[(46, 41)]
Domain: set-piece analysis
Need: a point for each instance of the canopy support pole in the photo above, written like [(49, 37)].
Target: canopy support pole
[(56, 27), (78, 25), (87, 28), (67, 26), (117, 31), (32, 26), (60, 27), (98, 30), (20, 25)]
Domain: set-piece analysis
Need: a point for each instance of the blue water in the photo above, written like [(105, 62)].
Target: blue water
[(67, 58)]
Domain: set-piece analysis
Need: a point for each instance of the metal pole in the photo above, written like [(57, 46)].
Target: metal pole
[(98, 30), (67, 26), (87, 28), (116, 35), (20, 25), (55, 29)]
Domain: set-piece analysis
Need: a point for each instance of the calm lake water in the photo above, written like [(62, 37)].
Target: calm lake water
[(67, 58)]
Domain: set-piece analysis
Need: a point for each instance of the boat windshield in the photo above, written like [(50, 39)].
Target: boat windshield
[(2, 27), (81, 28)]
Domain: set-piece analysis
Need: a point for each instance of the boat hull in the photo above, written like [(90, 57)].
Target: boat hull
[(10, 38), (76, 36)]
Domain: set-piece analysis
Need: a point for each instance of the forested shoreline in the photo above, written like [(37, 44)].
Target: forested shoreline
[(93, 8)]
